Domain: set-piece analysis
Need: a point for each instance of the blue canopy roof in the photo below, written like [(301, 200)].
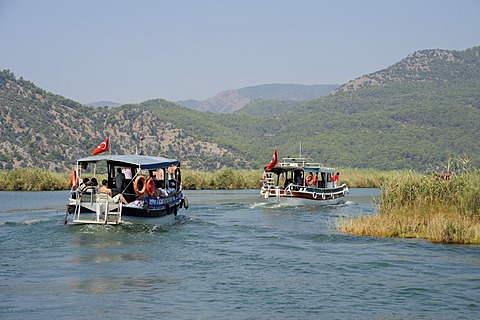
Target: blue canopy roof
[(143, 162)]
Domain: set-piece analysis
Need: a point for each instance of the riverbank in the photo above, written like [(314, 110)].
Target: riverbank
[(418, 206)]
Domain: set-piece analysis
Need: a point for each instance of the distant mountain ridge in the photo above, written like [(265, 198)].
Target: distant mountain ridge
[(422, 66), (109, 104), (230, 101)]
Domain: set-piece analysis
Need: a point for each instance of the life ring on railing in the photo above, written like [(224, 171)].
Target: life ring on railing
[(135, 185), (150, 187), (315, 180), (73, 179)]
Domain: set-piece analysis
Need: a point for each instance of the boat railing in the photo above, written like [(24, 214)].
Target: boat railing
[(303, 162), (269, 181)]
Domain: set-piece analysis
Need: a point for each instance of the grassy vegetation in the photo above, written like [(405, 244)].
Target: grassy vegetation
[(366, 178), (224, 179), (41, 179), (33, 180), (418, 206)]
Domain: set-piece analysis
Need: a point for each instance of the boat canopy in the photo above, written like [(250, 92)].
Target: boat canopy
[(142, 162), (281, 169)]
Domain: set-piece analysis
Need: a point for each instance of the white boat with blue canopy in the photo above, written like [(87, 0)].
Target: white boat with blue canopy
[(142, 187)]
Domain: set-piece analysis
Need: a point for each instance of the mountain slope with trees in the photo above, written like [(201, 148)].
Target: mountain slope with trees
[(408, 120)]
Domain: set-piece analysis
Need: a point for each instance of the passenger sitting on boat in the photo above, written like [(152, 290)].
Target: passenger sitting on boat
[(105, 189), (160, 191), (171, 188), (138, 201), (309, 179), (94, 182), (85, 183)]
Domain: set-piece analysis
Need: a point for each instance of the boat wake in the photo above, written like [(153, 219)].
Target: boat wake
[(285, 204)]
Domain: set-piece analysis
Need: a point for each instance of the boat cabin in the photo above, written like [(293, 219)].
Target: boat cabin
[(299, 172)]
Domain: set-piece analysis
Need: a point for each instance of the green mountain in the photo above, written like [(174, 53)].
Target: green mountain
[(415, 114)]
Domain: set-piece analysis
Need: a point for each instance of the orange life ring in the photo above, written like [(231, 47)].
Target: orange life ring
[(73, 179), (135, 185), (150, 187), (315, 180)]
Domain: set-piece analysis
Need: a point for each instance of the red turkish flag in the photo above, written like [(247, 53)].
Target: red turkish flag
[(273, 162), (102, 147)]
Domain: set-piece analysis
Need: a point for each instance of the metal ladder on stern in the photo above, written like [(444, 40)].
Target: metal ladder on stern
[(107, 207)]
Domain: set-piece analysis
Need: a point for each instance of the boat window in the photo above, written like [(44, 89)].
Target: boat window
[(127, 172), (159, 174)]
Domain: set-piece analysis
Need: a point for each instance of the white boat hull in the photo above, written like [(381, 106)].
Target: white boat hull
[(305, 195)]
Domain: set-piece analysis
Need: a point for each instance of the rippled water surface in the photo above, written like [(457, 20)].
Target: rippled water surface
[(228, 257)]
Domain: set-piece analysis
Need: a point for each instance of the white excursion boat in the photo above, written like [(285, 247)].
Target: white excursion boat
[(300, 182), (143, 188)]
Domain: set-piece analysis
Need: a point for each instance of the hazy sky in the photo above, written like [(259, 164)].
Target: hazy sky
[(132, 51)]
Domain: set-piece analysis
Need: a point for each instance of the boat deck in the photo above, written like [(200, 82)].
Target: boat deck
[(94, 221)]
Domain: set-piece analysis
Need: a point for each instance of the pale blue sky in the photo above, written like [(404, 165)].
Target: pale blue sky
[(132, 51)]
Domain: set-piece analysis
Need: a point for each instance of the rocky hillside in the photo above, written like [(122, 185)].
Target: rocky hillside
[(46, 130), (423, 66)]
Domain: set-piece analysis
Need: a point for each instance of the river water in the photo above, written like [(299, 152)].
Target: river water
[(228, 257)]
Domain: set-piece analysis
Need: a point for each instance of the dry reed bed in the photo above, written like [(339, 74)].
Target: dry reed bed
[(418, 206)]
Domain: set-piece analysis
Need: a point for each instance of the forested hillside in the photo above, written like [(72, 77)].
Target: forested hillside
[(425, 112)]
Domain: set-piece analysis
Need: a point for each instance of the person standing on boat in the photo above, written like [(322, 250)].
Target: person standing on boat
[(299, 178), (315, 180), (335, 179), (119, 181), (309, 179)]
